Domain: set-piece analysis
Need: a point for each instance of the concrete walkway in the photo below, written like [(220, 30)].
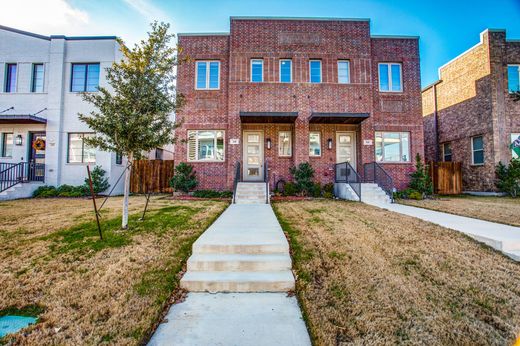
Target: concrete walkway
[(501, 237)]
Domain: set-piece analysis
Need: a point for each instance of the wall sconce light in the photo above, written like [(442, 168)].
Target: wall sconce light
[(268, 143), (329, 143), (18, 140)]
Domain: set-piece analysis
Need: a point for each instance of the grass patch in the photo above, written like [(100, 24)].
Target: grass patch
[(28, 310)]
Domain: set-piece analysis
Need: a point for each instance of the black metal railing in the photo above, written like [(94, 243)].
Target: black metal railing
[(374, 173), (15, 173), (345, 173), (266, 181), (236, 180)]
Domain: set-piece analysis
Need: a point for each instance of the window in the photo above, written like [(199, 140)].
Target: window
[(7, 145), (159, 154), (79, 151), (85, 77), (477, 146), (285, 71), (284, 143), (343, 72), (314, 144), (207, 75), (515, 145), (119, 158), (204, 145), (315, 71), (10, 78), (513, 78), (392, 147), (37, 78), (446, 152), (257, 70), (390, 77)]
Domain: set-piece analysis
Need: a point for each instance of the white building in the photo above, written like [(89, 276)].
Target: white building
[(41, 80)]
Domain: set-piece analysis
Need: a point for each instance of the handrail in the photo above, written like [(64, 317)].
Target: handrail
[(345, 173), (21, 172), (236, 180), (266, 181), (375, 173)]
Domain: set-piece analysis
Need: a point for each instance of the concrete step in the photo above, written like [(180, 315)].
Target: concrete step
[(263, 281), (239, 262), (514, 255), (245, 201), (241, 248)]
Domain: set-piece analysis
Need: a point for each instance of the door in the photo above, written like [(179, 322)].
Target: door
[(346, 148), (37, 156), (253, 156)]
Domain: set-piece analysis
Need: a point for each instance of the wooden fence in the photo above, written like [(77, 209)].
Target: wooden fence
[(151, 175), (446, 177)]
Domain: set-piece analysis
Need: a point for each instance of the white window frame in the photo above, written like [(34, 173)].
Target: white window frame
[(400, 146), (280, 70), (83, 162), (444, 151), (2, 144), (251, 70), (319, 141), (348, 70), (389, 64), (197, 146), (310, 71), (518, 72), (290, 144), (207, 62), (473, 151), (514, 136)]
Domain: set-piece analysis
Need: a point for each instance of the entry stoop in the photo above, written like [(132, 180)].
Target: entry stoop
[(251, 193)]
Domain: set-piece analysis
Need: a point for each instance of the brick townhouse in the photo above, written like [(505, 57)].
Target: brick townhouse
[(468, 114), (292, 90)]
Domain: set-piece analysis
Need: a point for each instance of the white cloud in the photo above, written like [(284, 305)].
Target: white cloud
[(147, 9)]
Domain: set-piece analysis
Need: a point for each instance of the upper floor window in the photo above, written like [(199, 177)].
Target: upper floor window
[(446, 152), (393, 146), (343, 72), (207, 75), (315, 71), (7, 145), (390, 77), (477, 147), (513, 78), (37, 78), (10, 78), (79, 151), (257, 70), (85, 77), (285, 71)]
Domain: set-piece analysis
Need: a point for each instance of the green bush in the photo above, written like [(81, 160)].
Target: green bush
[(290, 189), (415, 195), (508, 177), (45, 191), (328, 195), (184, 178), (316, 190), (212, 194), (303, 177), (72, 191), (328, 189), (408, 194), (420, 179), (99, 182)]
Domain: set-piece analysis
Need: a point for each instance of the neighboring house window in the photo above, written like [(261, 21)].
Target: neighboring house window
[(285, 71), (343, 72), (79, 151), (477, 147), (314, 144), (513, 78), (393, 146), (257, 70), (446, 152), (390, 77), (315, 71), (205, 145), (159, 153), (284, 143), (37, 78), (7, 145), (10, 78), (515, 145), (207, 75), (85, 77), (119, 158)]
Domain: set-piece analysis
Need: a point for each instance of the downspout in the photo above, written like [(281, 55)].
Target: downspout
[(436, 123)]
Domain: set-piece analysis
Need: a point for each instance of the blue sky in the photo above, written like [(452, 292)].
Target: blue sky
[(446, 28)]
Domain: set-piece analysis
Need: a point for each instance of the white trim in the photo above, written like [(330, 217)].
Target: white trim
[(261, 154), (197, 145), (389, 64), (353, 144), (207, 62), (400, 147), (321, 71), (473, 151), (280, 71), (252, 61), (340, 61), (319, 141)]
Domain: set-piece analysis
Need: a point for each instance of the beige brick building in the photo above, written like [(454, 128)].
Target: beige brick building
[(468, 113)]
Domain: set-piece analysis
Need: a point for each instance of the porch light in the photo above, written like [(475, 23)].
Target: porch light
[(329, 143), (18, 140), (268, 143)]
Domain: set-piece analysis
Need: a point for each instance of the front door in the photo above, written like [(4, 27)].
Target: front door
[(37, 156), (346, 148), (253, 155)]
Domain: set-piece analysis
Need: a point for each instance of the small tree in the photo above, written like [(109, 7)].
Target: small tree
[(99, 181), (134, 117), (303, 176), (508, 177), (184, 178), (420, 179)]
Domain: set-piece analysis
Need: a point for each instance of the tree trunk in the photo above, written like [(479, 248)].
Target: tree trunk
[(124, 222)]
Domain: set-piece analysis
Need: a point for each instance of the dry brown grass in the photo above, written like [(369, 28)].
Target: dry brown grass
[(496, 209), (95, 294), (369, 276)]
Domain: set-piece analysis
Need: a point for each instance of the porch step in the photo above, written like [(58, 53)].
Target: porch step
[(371, 193), (239, 262), (251, 193), (228, 281), (240, 248)]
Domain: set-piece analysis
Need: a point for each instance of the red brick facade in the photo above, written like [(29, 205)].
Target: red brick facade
[(471, 99), (299, 40)]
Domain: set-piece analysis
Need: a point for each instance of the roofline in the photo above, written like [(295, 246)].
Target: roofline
[(52, 37), (329, 19), (403, 37), (203, 34), (26, 33), (431, 85)]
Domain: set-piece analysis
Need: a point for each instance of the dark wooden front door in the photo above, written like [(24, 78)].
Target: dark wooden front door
[(36, 158)]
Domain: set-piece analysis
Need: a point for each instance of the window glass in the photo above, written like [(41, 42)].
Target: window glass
[(205, 145), (515, 145), (257, 70), (201, 75), (343, 72), (314, 144), (85, 77), (384, 84), (92, 77), (10, 80), (392, 147), (207, 74), (7, 145), (285, 71), (446, 152), (213, 74), (79, 151), (478, 150), (119, 158), (315, 71), (513, 78), (37, 81), (390, 77), (396, 77), (284, 143), (78, 77)]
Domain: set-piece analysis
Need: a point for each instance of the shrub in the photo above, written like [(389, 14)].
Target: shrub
[(420, 179), (99, 182), (45, 191), (508, 177), (302, 176), (316, 190), (184, 178), (290, 189), (72, 191), (212, 194), (328, 188), (415, 195), (328, 195)]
